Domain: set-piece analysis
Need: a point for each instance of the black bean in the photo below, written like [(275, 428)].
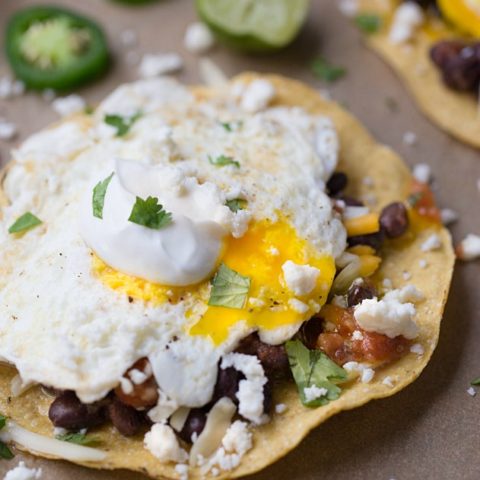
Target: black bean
[(195, 423), (394, 220), (126, 419), (227, 384), (337, 183), (67, 411), (310, 332), (459, 63), (267, 396), (273, 358), (374, 240), (442, 52), (359, 292)]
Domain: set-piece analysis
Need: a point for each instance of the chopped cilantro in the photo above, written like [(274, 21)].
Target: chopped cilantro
[(368, 22), (314, 368), (222, 161), (236, 204), (89, 110), (149, 213), (98, 198), (414, 198), (79, 439), (229, 288), (122, 124), (5, 451), (327, 72), (227, 126), (476, 382), (25, 222)]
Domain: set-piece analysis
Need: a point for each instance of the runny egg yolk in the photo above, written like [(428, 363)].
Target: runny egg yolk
[(259, 255)]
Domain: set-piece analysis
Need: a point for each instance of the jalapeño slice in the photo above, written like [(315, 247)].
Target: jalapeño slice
[(51, 47)]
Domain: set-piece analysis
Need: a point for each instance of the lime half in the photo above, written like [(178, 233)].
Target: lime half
[(254, 25)]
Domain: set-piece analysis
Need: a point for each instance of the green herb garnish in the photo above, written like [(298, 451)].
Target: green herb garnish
[(122, 124), (25, 222), (222, 161), (414, 198), (79, 439), (236, 204), (98, 198), (314, 368), (476, 382), (5, 451), (149, 213), (327, 72), (229, 288), (368, 22)]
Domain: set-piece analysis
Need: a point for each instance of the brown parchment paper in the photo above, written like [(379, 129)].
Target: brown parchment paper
[(430, 430)]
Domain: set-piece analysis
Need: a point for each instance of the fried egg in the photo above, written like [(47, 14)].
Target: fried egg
[(83, 298)]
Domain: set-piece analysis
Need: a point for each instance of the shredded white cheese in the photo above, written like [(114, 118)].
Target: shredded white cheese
[(22, 472), (469, 247)]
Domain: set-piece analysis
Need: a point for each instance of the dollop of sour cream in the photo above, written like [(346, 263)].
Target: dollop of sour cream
[(185, 251)]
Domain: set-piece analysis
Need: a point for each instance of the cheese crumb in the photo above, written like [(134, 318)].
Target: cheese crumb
[(471, 391), (357, 335), (162, 443), (236, 442), (155, 65), (313, 393), (388, 382), (182, 471), (298, 306), (422, 263), (257, 95), (406, 275), (448, 216), (391, 316), (280, 408), (69, 105), (410, 138), (126, 386), (366, 373), (8, 130), (407, 18), (22, 472), (198, 38), (422, 172), (417, 348), (433, 242), (300, 279), (137, 376), (349, 8), (469, 248)]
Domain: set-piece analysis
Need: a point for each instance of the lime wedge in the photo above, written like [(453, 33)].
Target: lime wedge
[(254, 25)]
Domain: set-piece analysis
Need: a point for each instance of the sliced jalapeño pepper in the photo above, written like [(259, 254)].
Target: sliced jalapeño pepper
[(51, 47)]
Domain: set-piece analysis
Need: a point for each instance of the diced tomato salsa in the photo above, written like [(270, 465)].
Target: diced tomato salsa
[(342, 348), (424, 201)]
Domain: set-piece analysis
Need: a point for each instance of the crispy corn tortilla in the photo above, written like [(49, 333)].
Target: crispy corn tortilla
[(457, 113), (360, 156)]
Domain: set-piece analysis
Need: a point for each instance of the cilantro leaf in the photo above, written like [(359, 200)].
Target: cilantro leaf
[(414, 198), (368, 22), (122, 124), (229, 288), (3, 421), (98, 198), (236, 204), (222, 161), (327, 72), (5, 451), (476, 382), (227, 126), (149, 213), (25, 222), (314, 368), (79, 439)]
